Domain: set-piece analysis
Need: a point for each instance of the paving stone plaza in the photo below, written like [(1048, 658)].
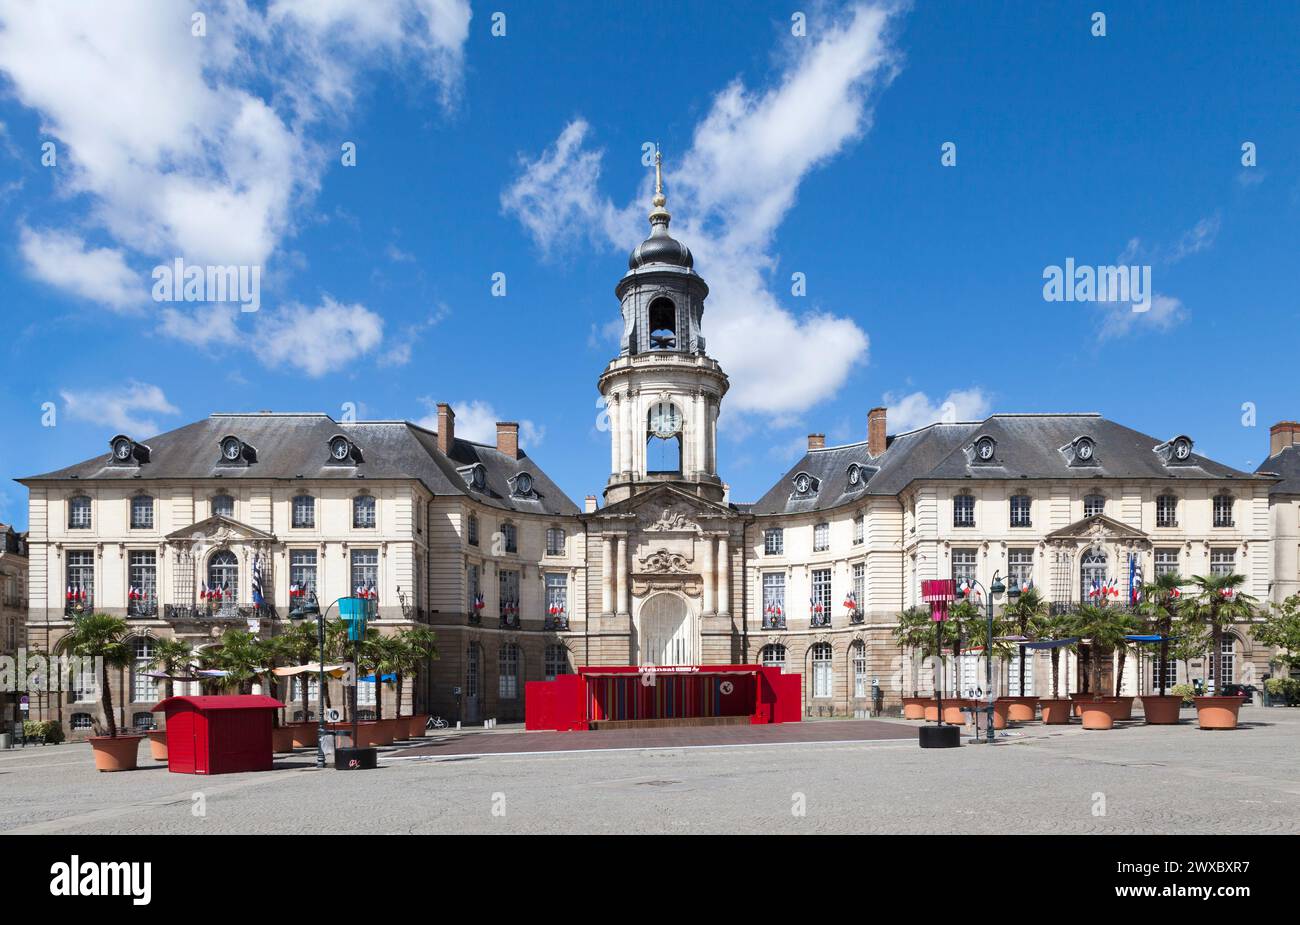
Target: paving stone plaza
[(830, 776)]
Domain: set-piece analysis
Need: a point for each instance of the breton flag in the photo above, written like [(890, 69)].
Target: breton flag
[(1134, 579), (258, 600)]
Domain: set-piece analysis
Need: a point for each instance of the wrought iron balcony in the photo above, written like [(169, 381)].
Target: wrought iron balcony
[(510, 621), (773, 622), (145, 608), (820, 619), (82, 602), (558, 622), (475, 617), (857, 616), (216, 612)]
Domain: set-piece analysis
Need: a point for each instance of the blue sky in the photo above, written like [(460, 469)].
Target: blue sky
[(522, 154)]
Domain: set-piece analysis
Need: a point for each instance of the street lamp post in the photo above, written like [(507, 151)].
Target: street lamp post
[(308, 608), (997, 589)]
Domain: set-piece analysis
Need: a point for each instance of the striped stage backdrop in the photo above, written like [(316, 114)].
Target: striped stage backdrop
[(670, 697)]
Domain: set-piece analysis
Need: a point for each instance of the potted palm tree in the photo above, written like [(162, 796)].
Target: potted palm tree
[(417, 646), (386, 655), (300, 644), (1217, 605), (1160, 605), (915, 632), (102, 636), (1023, 613), (1055, 626), (169, 656), (976, 632), (1105, 630), (1126, 625)]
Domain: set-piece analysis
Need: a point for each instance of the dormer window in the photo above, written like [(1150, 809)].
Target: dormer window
[(1176, 452), (235, 451), (805, 484), (855, 476), (1182, 449), (521, 486), (1081, 451), (343, 451), (127, 451), (475, 476)]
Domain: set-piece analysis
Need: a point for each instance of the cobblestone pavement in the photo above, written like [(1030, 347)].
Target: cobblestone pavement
[(1058, 780)]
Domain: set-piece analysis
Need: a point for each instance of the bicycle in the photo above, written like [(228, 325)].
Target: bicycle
[(436, 722)]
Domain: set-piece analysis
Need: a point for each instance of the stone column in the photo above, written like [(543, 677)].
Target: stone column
[(606, 575), (622, 582), (698, 432), (625, 420), (706, 569), (615, 435), (724, 576)]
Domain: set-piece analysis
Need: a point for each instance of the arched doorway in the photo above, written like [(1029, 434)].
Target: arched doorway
[(665, 631)]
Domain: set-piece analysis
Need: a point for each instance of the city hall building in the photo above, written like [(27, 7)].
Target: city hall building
[(520, 583)]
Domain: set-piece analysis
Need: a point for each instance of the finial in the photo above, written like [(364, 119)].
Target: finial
[(659, 213)]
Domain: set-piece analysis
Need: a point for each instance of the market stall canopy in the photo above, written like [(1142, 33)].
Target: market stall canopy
[(334, 671)]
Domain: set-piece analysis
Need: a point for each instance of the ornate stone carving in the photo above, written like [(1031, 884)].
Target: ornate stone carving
[(644, 585), (672, 521), (665, 560)]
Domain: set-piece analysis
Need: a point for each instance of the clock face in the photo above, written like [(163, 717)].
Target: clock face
[(122, 450), (665, 419), (1085, 449), (1182, 449), (230, 449), (802, 484), (524, 483), (854, 475), (985, 449), (339, 448)]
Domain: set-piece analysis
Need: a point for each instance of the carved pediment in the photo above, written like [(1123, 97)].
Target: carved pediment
[(665, 561), (1096, 528), (219, 530), (671, 519)]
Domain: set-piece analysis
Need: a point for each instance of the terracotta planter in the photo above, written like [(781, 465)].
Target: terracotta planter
[(1124, 707), (400, 726), (1002, 713), (1020, 709), (416, 725), (952, 711), (931, 711), (1162, 711), (380, 732), (1217, 712), (1077, 699), (305, 735), (1056, 711), (115, 754), (1097, 714), (281, 739), (158, 744), (914, 707), (366, 734)]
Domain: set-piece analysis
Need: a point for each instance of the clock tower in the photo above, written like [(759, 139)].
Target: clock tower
[(662, 392)]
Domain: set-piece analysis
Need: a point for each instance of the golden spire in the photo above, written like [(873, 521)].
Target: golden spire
[(659, 201)]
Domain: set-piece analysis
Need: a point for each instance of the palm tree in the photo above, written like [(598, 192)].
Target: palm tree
[(169, 657), (1160, 603), (300, 645), (382, 655), (1053, 626), (242, 657), (1127, 624), (1105, 629), (916, 632), (417, 645), (1022, 612), (976, 634), (1218, 604), (101, 636)]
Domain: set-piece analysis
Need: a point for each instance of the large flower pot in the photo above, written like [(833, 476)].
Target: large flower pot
[(1217, 712), (1056, 711), (1001, 713), (1077, 699), (1162, 711), (1097, 714), (400, 727), (381, 732), (1123, 707), (115, 754), (931, 711), (914, 707), (158, 744), (281, 739), (305, 735), (1020, 709), (416, 725), (953, 713)]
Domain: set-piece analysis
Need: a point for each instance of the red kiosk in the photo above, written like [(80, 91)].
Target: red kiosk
[(631, 695), (219, 735)]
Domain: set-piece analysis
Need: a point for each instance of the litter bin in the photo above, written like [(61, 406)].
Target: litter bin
[(327, 747), (6, 741), (356, 759)]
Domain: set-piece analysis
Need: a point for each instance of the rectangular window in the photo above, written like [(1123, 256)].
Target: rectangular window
[(1227, 661), (1094, 505), (860, 684), (963, 511), (508, 594), (508, 674), (304, 511), (142, 512), (557, 595), (823, 676), (1169, 670), (821, 537), (773, 599), (557, 661), (365, 573), (859, 529), (1020, 511), (1222, 561), (143, 687), (1223, 511), (79, 513), (363, 512), (963, 567), (472, 580), (511, 536), (554, 541), (1166, 562), (774, 541), (365, 693), (302, 573), (859, 587), (81, 579), (821, 596), (1166, 511), (471, 533), (142, 593), (1020, 568)]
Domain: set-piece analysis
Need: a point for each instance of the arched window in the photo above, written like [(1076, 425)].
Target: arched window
[(471, 531), (1093, 505), (557, 661), (663, 325), (822, 672), (1093, 577), (223, 576), (82, 722), (772, 656), (861, 686), (363, 511), (142, 512), (143, 687), (508, 672), (79, 513), (223, 505), (1167, 511), (304, 511)]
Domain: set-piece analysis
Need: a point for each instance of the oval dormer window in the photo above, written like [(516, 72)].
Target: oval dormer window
[(340, 448), (523, 484), (231, 449), (1083, 449)]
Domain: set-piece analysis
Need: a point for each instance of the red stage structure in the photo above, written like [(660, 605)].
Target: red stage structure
[(662, 694)]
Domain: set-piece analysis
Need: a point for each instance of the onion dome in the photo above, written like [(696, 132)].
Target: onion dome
[(660, 247)]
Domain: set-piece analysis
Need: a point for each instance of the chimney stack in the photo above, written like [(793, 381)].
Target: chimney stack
[(876, 435), (1282, 435), (590, 505), (446, 428), (816, 441), (508, 438)]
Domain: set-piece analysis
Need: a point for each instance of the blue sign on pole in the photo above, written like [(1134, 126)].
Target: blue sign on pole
[(355, 611)]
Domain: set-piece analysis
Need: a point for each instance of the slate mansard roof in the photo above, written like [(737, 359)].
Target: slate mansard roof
[(1028, 446), (296, 446), (1285, 464)]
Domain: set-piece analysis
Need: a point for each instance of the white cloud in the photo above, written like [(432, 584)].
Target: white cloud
[(908, 412), (209, 325), (201, 146), (120, 407), (1118, 318), (732, 189), (1198, 238), (97, 274), (317, 340)]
